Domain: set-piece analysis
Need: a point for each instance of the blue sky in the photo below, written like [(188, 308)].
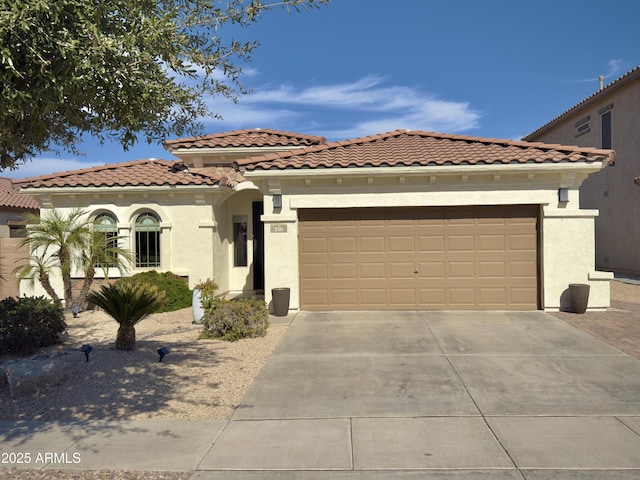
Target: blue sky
[(492, 68)]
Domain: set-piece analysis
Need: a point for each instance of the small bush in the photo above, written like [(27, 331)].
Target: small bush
[(177, 293), (207, 292), (29, 323), (235, 319)]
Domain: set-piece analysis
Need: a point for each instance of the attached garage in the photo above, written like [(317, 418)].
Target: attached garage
[(419, 258), (411, 220)]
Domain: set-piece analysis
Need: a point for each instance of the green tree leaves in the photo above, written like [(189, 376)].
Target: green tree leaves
[(122, 69)]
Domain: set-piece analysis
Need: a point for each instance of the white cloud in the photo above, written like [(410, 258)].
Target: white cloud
[(337, 110), (45, 166)]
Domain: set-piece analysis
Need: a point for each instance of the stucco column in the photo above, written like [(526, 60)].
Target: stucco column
[(280, 251), (569, 257)]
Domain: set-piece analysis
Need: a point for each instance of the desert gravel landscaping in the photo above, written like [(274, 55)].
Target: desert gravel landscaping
[(198, 379)]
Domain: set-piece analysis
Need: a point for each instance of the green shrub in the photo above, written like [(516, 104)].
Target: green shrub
[(235, 319), (177, 293), (28, 323)]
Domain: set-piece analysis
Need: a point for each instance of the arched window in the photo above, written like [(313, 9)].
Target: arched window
[(106, 226), (147, 231)]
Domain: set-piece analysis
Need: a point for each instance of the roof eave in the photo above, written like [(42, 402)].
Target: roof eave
[(35, 191), (551, 167)]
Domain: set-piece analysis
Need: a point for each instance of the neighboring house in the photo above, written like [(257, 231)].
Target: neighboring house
[(403, 220), (610, 118), (13, 207)]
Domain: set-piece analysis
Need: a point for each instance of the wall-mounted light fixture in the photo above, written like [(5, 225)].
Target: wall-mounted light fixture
[(277, 201), (563, 195)]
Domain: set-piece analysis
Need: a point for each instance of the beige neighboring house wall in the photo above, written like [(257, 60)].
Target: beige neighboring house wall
[(13, 207), (611, 191)]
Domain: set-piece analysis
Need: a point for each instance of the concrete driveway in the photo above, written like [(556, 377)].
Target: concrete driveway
[(476, 395)]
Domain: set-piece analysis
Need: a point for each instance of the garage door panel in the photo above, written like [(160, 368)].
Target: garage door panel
[(405, 244), (344, 296), (491, 243), (432, 270), (402, 297), (434, 297), (461, 243), (492, 269), (526, 242), (492, 296), (423, 258), (376, 297), (459, 270), (373, 271), (431, 243), (314, 245), (398, 271), (372, 245), (462, 297), (343, 245), (344, 271), (522, 269)]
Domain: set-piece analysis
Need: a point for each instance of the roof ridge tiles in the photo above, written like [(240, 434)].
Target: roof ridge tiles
[(246, 131)]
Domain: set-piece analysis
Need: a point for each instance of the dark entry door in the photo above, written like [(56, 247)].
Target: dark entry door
[(258, 246)]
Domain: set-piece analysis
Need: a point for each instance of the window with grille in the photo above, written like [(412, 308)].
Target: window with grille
[(105, 227), (147, 237)]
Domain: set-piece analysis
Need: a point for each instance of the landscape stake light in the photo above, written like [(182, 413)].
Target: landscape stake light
[(86, 349), (162, 352)]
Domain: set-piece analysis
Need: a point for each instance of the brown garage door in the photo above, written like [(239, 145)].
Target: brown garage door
[(419, 258)]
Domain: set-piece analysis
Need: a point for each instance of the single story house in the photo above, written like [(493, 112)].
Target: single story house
[(399, 221)]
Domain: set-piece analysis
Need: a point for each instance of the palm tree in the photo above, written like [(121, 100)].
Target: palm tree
[(62, 237), (39, 267), (128, 305), (61, 242), (102, 252)]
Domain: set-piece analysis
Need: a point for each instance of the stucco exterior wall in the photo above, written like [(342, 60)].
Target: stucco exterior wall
[(566, 247), (190, 243), (611, 190)]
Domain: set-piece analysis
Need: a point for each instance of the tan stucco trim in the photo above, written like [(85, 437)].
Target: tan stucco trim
[(429, 170)]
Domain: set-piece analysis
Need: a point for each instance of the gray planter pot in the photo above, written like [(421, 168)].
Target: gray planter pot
[(579, 297), (280, 298)]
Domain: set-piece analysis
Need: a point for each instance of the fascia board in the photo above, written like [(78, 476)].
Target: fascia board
[(430, 170)]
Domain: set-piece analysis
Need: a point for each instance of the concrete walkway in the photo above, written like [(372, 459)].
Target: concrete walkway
[(375, 395)]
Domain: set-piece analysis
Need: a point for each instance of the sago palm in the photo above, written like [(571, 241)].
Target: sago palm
[(128, 305)]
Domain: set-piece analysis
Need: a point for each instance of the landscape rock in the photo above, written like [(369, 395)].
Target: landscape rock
[(32, 376)]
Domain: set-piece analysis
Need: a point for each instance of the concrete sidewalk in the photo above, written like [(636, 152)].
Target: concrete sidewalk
[(385, 395)]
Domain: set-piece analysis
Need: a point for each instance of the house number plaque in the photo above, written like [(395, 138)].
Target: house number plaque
[(278, 228)]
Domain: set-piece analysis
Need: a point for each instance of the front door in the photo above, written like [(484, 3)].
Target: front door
[(258, 246)]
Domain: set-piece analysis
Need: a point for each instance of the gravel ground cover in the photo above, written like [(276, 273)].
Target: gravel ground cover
[(198, 379)]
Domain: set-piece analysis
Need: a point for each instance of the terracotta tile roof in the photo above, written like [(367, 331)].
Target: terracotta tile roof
[(128, 174), (10, 197), (612, 87), (256, 137), (416, 148)]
